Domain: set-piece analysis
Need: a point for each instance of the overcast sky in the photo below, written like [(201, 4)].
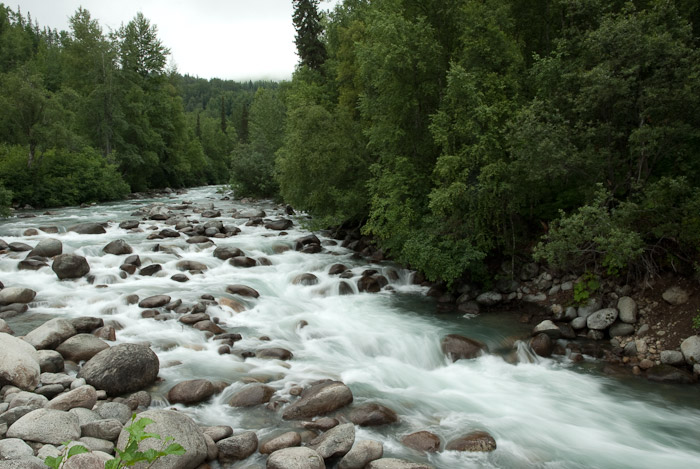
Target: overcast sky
[(231, 39)]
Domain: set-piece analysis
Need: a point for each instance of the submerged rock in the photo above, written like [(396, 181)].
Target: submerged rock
[(318, 399), (458, 347), (88, 228), (118, 247), (422, 441), (474, 442), (372, 415)]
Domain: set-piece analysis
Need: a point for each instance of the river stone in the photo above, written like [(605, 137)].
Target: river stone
[(242, 261), (690, 348), (150, 270), (237, 447), (118, 247), (12, 295), (591, 306), (70, 266), (225, 253), (393, 463), (191, 392), (422, 441), (242, 290), (19, 365), (209, 326), (578, 323), (473, 442), (489, 298), (344, 288), (10, 416), (305, 279), (14, 448), (63, 379), (94, 460), (542, 345), (457, 347), (669, 374), (336, 442), (323, 424), (628, 310), (372, 415), (97, 444), (88, 228), (602, 319), (19, 247), (32, 263), (318, 399), (186, 265), (675, 296), (50, 334), (337, 269), (4, 327), (252, 395), (84, 396), (218, 432), (81, 347), (279, 225), (361, 454), (547, 327), (621, 329), (274, 353), (286, 440), (672, 357), (114, 410), (129, 224), (26, 398), (50, 391), (198, 240), (295, 458), (46, 426), (183, 430), (155, 301), (308, 239), (121, 369), (48, 247), (105, 429), (87, 324)]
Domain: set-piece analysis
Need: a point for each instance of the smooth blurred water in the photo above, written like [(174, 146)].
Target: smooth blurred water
[(543, 413)]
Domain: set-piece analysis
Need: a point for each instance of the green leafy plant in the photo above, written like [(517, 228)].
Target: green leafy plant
[(130, 455), (587, 286), (58, 461), (696, 321)]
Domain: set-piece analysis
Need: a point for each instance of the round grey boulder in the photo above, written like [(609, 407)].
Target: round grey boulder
[(286, 440), (602, 319), (252, 395), (81, 347), (191, 392), (628, 310), (320, 398), (242, 290), (46, 426), (237, 447), (295, 458), (362, 453), (422, 441), (473, 442), (69, 266), (14, 448), (372, 415), (118, 247), (13, 295), (675, 296), (121, 369), (155, 301), (336, 442), (83, 396), (88, 228), (19, 365), (170, 423), (690, 348), (48, 247)]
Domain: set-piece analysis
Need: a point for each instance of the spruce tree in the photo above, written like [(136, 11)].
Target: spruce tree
[(307, 24)]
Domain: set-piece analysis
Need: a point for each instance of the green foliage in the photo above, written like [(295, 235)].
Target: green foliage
[(131, 455), (5, 201), (585, 287), (307, 24), (696, 322), (66, 453)]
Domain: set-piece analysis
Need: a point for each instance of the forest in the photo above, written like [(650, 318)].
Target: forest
[(457, 134)]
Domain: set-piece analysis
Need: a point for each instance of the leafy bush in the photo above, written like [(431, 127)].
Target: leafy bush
[(60, 177), (5, 201)]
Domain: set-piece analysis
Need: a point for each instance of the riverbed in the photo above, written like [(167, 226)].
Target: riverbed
[(543, 413)]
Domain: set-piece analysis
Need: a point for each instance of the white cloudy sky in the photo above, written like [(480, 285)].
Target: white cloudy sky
[(231, 39)]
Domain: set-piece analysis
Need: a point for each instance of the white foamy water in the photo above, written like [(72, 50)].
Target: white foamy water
[(385, 347)]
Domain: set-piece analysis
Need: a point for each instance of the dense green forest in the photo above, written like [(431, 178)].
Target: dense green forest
[(461, 133), (89, 115), (457, 133)]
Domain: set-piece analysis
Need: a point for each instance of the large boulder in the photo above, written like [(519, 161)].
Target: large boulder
[(183, 430), (473, 442), (318, 399), (542, 345), (422, 441), (361, 454), (118, 247), (19, 365), (602, 319), (690, 348), (14, 448), (372, 415), (237, 447), (12, 295), (675, 296), (155, 301), (336, 442), (50, 334), (191, 392), (225, 253), (458, 347), (242, 290), (121, 369), (46, 426), (295, 458), (628, 310), (279, 225), (82, 396), (251, 395), (68, 266), (88, 228), (81, 347), (547, 327), (285, 440), (48, 247)]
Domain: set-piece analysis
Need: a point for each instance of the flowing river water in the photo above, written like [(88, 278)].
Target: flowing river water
[(543, 413)]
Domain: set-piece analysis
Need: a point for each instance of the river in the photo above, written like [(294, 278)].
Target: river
[(543, 413)]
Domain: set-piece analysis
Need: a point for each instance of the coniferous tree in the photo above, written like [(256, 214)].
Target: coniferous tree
[(307, 24)]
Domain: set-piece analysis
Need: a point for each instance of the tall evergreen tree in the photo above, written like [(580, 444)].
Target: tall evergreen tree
[(307, 24)]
